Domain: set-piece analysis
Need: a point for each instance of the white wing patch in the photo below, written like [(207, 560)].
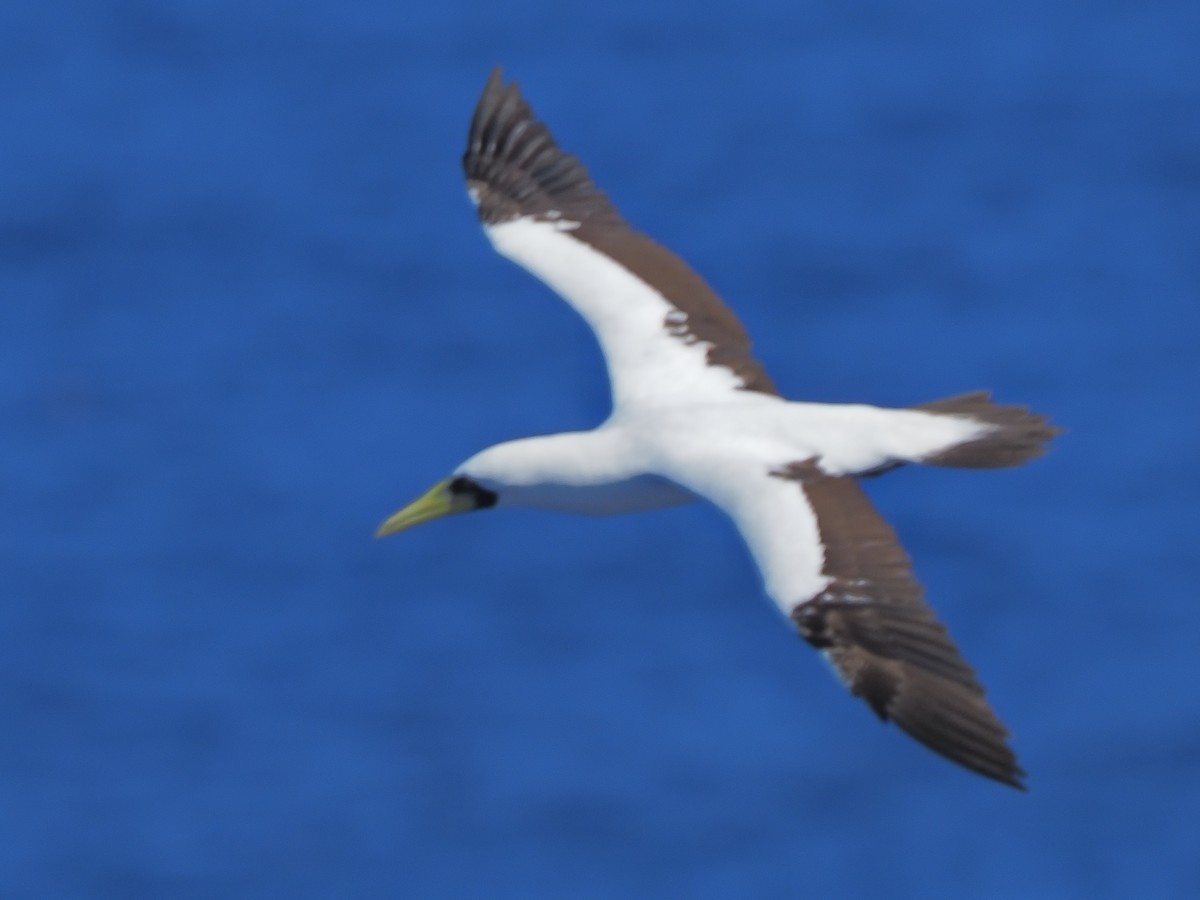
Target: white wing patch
[(645, 361), (775, 520)]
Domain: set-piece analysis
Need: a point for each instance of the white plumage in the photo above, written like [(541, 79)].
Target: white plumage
[(695, 417), (646, 366)]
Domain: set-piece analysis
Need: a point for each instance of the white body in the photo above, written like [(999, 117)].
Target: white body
[(696, 417), (683, 429), (648, 460)]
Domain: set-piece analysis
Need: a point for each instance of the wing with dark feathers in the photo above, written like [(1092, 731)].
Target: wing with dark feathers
[(872, 624), (515, 170)]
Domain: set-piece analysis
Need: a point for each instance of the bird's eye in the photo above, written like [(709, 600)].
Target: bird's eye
[(481, 496)]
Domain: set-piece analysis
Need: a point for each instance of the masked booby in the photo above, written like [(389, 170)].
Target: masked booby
[(695, 417)]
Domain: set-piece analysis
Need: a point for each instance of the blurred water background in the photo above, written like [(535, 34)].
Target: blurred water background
[(245, 313)]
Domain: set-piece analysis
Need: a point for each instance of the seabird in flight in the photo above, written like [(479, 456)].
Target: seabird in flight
[(695, 417)]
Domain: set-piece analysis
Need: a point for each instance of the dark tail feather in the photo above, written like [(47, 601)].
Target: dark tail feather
[(1019, 436)]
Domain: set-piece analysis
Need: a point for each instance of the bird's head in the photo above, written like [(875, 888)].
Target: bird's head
[(538, 471), (456, 494)]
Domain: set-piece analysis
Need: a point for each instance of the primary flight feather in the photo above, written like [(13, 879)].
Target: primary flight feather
[(695, 416)]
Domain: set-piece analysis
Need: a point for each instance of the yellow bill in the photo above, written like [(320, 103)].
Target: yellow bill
[(437, 502), (445, 498)]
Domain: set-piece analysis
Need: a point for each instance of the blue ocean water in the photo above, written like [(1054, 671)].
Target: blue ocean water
[(246, 313)]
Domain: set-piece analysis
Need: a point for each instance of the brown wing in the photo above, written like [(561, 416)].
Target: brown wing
[(884, 641), (515, 169)]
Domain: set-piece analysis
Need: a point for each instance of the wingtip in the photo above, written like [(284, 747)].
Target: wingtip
[(518, 169), (958, 724), (495, 79), (1013, 778)]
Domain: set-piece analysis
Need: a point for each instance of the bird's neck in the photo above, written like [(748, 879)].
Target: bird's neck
[(589, 472)]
